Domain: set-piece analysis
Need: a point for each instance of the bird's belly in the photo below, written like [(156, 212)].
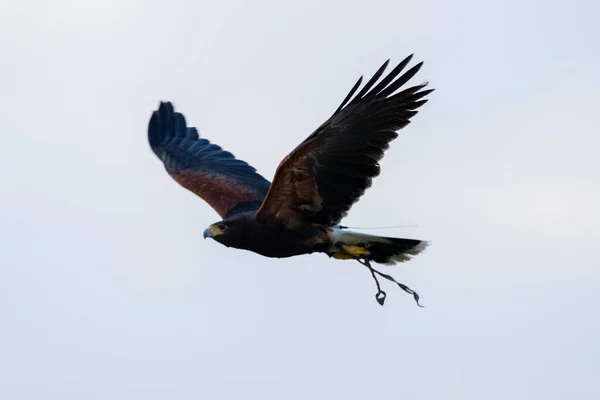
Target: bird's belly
[(278, 249), (282, 245)]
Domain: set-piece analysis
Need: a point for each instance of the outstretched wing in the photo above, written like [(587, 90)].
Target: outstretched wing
[(328, 172), (228, 185)]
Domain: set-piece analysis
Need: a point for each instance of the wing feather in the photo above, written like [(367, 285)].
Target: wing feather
[(227, 184), (326, 174)]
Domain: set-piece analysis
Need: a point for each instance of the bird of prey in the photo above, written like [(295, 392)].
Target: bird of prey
[(314, 186)]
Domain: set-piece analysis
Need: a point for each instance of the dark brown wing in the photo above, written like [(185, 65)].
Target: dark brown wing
[(228, 185), (328, 172)]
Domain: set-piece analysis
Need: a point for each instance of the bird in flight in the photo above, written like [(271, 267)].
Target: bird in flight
[(314, 186)]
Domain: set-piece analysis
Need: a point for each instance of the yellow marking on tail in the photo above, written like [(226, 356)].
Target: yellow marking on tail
[(342, 255), (355, 251)]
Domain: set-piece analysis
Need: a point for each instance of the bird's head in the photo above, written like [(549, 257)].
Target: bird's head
[(216, 230), (227, 232)]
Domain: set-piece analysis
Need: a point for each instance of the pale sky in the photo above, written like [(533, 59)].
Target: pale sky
[(107, 290)]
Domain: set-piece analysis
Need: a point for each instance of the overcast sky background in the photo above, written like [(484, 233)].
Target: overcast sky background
[(107, 290)]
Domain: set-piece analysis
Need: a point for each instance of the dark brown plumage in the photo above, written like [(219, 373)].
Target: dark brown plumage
[(314, 186)]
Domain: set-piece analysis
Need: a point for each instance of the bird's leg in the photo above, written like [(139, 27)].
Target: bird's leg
[(380, 296), (402, 286)]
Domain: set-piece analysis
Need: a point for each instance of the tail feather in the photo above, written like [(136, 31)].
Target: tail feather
[(379, 249), (396, 250)]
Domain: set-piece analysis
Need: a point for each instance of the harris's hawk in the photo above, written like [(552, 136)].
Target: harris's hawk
[(314, 186)]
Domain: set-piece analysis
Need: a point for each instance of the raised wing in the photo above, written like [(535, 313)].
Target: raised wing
[(228, 185), (327, 173)]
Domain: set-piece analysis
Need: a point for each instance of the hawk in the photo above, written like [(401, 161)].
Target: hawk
[(314, 186)]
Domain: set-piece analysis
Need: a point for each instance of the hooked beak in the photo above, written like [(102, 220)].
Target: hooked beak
[(212, 231)]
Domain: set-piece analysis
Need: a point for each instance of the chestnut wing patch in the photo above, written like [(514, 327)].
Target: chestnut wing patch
[(227, 184), (325, 175)]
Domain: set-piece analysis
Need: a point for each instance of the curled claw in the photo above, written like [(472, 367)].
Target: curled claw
[(380, 297)]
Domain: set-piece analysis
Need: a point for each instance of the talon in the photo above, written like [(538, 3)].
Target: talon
[(380, 297)]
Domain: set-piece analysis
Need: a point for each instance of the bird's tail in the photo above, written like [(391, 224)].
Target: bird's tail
[(383, 250)]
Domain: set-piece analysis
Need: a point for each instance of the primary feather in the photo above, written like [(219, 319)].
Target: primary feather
[(327, 173)]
